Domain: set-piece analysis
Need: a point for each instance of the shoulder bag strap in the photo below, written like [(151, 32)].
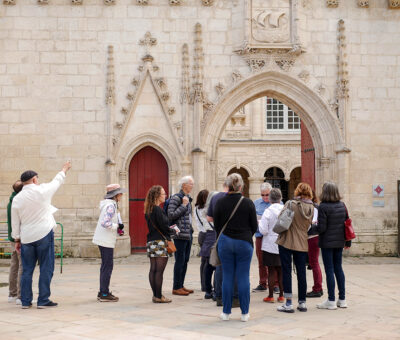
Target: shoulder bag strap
[(233, 213), (154, 226), (198, 216)]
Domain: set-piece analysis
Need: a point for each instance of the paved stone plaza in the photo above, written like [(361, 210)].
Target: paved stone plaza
[(373, 313)]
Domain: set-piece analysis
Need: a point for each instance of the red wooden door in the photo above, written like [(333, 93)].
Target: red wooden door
[(307, 157), (148, 167)]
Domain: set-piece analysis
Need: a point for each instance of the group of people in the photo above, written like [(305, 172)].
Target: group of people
[(225, 218)]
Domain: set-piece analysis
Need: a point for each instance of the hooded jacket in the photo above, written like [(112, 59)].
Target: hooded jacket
[(296, 238), (266, 226), (105, 234)]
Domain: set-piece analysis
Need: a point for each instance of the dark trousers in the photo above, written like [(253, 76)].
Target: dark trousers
[(262, 270), (203, 263), (299, 259), (42, 251), (218, 284), (107, 265), (332, 258), (208, 271), (313, 254), (182, 256)]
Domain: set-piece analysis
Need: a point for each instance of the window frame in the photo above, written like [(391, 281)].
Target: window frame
[(286, 111)]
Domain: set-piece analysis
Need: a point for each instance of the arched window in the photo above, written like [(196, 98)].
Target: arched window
[(281, 118), (276, 178)]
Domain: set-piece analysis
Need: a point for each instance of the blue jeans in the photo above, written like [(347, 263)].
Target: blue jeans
[(235, 257), (332, 258), (182, 256), (42, 251), (106, 268), (299, 259)]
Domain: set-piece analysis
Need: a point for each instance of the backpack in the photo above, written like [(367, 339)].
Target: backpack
[(166, 203)]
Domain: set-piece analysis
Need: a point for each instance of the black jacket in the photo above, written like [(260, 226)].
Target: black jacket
[(243, 224), (160, 220), (181, 215), (330, 227)]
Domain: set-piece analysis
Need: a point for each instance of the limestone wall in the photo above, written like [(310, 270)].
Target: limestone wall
[(54, 78)]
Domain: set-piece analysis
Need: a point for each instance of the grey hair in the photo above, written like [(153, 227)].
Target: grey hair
[(184, 180), (234, 182), (275, 195), (265, 186)]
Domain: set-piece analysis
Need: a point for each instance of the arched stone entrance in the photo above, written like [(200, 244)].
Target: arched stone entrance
[(313, 110)]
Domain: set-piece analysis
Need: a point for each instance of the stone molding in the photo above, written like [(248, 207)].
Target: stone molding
[(343, 74), (142, 2), (110, 95), (332, 3), (394, 4), (109, 2), (363, 3), (9, 2), (175, 2), (207, 2), (43, 2), (77, 2), (185, 84)]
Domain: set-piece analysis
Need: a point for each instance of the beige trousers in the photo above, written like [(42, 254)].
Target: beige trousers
[(14, 278)]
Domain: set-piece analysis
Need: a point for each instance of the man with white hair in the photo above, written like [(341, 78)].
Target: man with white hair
[(261, 204), (180, 213)]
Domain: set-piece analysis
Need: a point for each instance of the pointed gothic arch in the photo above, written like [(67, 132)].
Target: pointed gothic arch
[(314, 111)]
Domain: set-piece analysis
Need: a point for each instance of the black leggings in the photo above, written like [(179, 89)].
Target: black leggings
[(274, 274), (157, 266)]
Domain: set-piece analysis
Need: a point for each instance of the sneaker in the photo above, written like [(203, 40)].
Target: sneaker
[(26, 307), (327, 305), (235, 303), (285, 308), (281, 299), (18, 302), (260, 288), (224, 317), (269, 299), (107, 298), (49, 304), (276, 290), (302, 307), (341, 303), (245, 317), (12, 299), (214, 297), (219, 302), (313, 294)]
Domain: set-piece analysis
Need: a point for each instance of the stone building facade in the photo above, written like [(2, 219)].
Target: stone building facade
[(117, 84)]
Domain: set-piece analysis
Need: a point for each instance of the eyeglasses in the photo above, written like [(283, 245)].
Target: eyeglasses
[(264, 195)]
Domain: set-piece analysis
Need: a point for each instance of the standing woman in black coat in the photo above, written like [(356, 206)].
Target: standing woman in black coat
[(159, 231), (331, 216)]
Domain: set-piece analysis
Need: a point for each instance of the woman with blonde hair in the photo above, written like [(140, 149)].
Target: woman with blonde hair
[(159, 232), (294, 243)]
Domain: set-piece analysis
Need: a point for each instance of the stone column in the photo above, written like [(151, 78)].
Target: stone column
[(254, 190)]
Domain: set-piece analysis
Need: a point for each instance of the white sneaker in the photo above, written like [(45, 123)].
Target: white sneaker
[(245, 317), (224, 317), (18, 302), (12, 299), (327, 305), (341, 303), (285, 308), (302, 307)]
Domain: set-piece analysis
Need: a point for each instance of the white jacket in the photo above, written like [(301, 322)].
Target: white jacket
[(266, 224), (105, 234), (32, 212)]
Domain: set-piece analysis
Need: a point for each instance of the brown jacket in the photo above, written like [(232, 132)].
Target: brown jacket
[(296, 237)]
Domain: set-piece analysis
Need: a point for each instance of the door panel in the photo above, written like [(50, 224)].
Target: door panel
[(148, 167)]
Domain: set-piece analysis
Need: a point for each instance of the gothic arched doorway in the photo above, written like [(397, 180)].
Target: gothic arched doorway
[(276, 178), (245, 175), (147, 168)]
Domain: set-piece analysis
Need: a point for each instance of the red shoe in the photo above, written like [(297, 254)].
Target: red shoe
[(269, 299), (281, 299)]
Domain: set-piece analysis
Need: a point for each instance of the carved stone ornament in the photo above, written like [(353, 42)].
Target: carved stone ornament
[(271, 34), (220, 88), (175, 2), (142, 2), (394, 3), (332, 3), (304, 75), (110, 96), (207, 2), (236, 76), (76, 2), (363, 3), (43, 2), (109, 2), (9, 2), (148, 41)]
